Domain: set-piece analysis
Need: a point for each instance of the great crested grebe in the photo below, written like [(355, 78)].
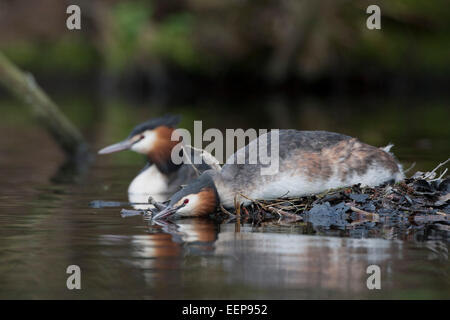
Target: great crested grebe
[(309, 162), (160, 177)]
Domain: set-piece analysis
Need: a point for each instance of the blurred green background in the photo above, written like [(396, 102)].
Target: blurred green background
[(253, 41), (288, 64)]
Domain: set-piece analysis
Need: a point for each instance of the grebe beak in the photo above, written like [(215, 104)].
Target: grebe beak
[(168, 211), (122, 145)]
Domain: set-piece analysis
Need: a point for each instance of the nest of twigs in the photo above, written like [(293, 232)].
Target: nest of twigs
[(422, 199)]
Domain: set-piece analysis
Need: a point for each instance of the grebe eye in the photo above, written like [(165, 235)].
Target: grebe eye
[(186, 201)]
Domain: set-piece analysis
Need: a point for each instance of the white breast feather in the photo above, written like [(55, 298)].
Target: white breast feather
[(296, 184), (150, 181)]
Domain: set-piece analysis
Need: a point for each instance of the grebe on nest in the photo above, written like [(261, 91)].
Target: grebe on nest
[(310, 162)]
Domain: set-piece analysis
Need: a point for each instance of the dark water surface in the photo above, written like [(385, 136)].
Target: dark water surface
[(47, 225)]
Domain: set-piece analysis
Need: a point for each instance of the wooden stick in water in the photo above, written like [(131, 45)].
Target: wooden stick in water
[(25, 88)]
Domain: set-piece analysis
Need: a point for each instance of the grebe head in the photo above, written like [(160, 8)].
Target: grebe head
[(151, 138), (196, 199)]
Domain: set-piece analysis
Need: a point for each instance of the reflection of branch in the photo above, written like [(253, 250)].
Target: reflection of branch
[(25, 88)]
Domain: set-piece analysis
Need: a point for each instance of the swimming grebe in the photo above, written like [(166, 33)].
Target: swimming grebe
[(160, 177), (310, 162)]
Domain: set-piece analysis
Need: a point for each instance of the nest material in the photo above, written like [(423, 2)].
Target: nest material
[(421, 199)]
